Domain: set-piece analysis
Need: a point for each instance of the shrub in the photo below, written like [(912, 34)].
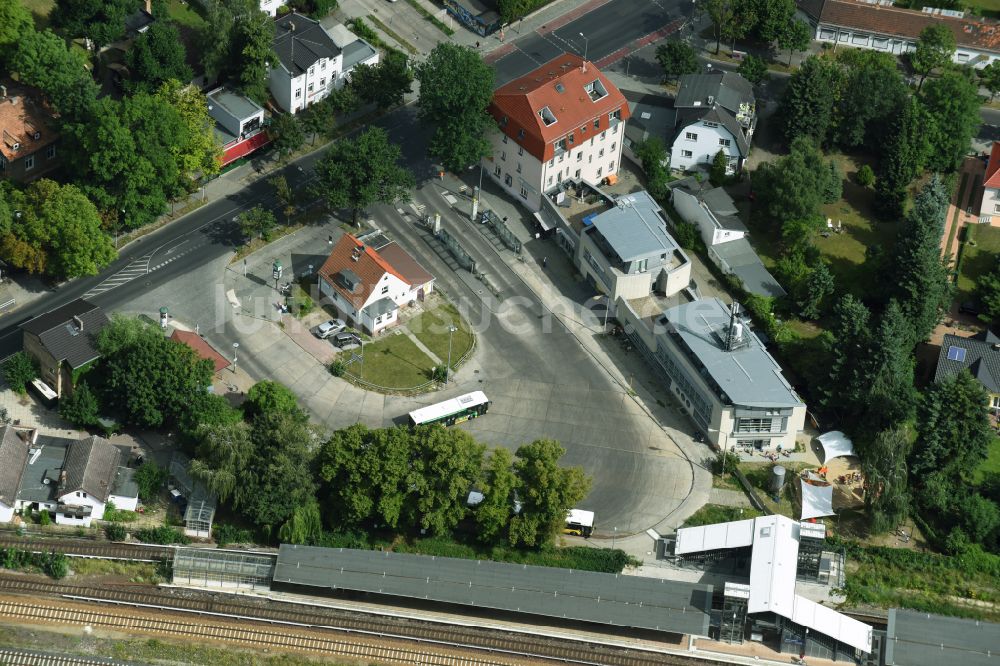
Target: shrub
[(162, 535), (150, 477), (18, 371), (439, 373), (80, 407), (687, 235), (227, 534), (725, 461), (115, 532), (44, 518), (720, 163), (338, 368), (866, 177), (55, 565)]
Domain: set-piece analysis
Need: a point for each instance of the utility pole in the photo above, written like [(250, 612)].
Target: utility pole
[(447, 372)]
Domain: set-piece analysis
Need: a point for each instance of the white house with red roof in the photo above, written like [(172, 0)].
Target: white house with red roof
[(369, 278), (989, 208), (562, 121)]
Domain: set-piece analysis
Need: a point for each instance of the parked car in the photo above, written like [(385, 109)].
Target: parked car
[(345, 339), (328, 328)]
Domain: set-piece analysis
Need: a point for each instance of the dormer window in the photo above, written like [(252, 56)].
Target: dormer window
[(546, 115), (520, 134), (596, 90), (503, 121)]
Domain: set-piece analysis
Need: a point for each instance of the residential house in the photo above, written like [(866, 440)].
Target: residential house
[(715, 111), (239, 123), (13, 459), (980, 355), (650, 117), (626, 252), (368, 279), (62, 342), (202, 348), (270, 7), (989, 206), (28, 146), (713, 211), (72, 479), (881, 26), (720, 373), (310, 61), (560, 122)]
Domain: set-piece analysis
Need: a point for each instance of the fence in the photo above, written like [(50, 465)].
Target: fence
[(505, 235), (463, 258)]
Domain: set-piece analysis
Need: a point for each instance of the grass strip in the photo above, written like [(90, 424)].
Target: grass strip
[(954, 219), (430, 17), (387, 30)]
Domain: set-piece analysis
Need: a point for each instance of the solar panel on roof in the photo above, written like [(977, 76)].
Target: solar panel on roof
[(956, 353)]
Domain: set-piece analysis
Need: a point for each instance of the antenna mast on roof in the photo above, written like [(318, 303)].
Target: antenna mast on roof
[(734, 336)]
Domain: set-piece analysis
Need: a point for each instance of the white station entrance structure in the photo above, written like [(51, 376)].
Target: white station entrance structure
[(778, 547)]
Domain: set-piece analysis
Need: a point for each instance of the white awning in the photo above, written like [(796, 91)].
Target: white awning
[(817, 501), (835, 444), (773, 564), (735, 534), (833, 624)]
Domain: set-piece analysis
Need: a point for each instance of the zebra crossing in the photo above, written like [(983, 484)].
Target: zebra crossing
[(135, 269)]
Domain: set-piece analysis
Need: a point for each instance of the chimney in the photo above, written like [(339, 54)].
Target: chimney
[(149, 7), (3, 92), (734, 336), (62, 478), (78, 322)]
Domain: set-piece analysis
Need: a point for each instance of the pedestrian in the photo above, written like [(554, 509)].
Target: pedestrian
[(545, 262), (477, 43)]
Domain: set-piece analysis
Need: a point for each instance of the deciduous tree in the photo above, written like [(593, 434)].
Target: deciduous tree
[(792, 187), (676, 58), (952, 103), (988, 292), (199, 153), (15, 24), (287, 133), (795, 36), (386, 83), (271, 397), (498, 483), (546, 492), (356, 173), (720, 163), (18, 371), (222, 461), (101, 21), (883, 468), (156, 56), (257, 222), (42, 60), (253, 39), (935, 47), (447, 463), (871, 95), (753, 69), (722, 14), (808, 104), (989, 78), (653, 156), (771, 17)]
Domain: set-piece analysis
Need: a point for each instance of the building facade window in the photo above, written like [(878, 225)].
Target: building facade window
[(611, 167), (322, 83), (769, 425), (549, 182), (579, 157), (29, 162), (504, 138), (311, 86), (600, 153), (503, 155), (520, 150), (524, 192), (691, 136), (724, 143), (385, 289), (599, 170), (50, 152), (614, 146), (519, 167), (577, 173), (508, 181), (298, 93), (496, 171), (686, 153)]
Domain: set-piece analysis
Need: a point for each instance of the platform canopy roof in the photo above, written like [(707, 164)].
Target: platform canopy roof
[(835, 444), (629, 601), (921, 639), (817, 501), (735, 534)]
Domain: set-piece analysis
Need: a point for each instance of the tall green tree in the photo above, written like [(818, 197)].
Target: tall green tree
[(100, 21), (356, 173), (18, 371), (676, 58), (818, 286), (15, 23), (317, 119), (935, 48), (988, 293), (258, 222), (871, 94), (456, 87), (848, 344), (304, 527), (771, 18), (43, 60), (287, 133), (722, 14), (252, 40), (888, 398), (222, 461), (271, 397), (653, 156), (792, 187), (952, 103), (989, 78), (447, 463), (386, 83), (720, 164), (883, 467), (156, 56), (80, 407), (546, 492), (198, 155), (904, 155), (808, 103), (795, 36), (494, 513), (753, 69)]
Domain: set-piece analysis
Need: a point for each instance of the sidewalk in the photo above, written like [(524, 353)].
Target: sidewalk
[(966, 196)]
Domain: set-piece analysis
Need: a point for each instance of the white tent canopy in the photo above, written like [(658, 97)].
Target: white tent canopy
[(835, 444), (817, 501)]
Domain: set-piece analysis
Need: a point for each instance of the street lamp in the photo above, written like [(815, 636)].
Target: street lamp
[(476, 193), (614, 537), (586, 46), (236, 346), (447, 372)]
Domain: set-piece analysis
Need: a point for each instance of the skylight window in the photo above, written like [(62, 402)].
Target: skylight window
[(956, 354), (560, 88), (547, 117), (596, 90)]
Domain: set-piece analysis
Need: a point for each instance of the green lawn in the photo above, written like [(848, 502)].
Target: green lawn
[(40, 10), (393, 362), (979, 255), (183, 14), (431, 328), (992, 463), (711, 514)]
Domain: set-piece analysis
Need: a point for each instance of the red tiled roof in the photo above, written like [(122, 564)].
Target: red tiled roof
[(201, 348), (975, 33), (992, 178), (369, 267), (521, 100), (413, 273), (20, 118)]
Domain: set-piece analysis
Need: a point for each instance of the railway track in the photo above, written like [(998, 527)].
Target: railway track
[(357, 626), (107, 550), (13, 657)]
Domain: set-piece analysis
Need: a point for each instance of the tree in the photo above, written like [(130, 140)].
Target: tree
[(447, 462), (871, 94), (904, 154), (653, 156), (199, 154), (287, 133), (316, 119), (304, 527), (222, 461), (207, 409), (80, 407), (253, 37), (355, 173), (676, 58), (100, 21), (818, 285), (42, 60), (833, 187), (808, 103), (258, 222), (935, 48), (989, 78), (772, 17), (753, 69), (18, 371), (386, 83), (980, 519), (847, 345), (795, 36), (498, 483), (883, 468), (285, 194), (150, 378), (456, 87), (15, 24), (988, 292), (792, 187), (270, 397), (722, 14), (156, 56), (866, 177), (888, 398), (546, 492), (952, 103), (720, 165), (150, 478)]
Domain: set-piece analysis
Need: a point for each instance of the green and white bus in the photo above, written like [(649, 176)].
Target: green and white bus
[(453, 411)]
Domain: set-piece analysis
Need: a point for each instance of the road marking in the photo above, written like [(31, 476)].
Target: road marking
[(176, 246), (133, 270)]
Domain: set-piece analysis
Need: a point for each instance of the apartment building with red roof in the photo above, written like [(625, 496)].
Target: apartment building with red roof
[(561, 122), (27, 142), (369, 278), (880, 26), (989, 206)]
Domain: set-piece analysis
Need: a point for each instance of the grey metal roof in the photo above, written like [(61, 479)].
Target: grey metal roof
[(650, 115), (232, 104), (356, 52), (629, 601), (633, 227), (747, 266), (981, 357), (300, 41), (719, 201), (714, 114), (380, 307), (61, 336), (748, 375), (13, 458), (91, 464), (46, 465), (921, 639), (124, 484), (727, 89)]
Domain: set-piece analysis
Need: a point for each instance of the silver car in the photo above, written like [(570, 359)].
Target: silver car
[(328, 328)]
